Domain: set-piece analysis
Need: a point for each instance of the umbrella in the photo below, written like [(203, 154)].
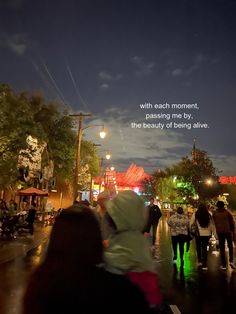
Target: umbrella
[(32, 191)]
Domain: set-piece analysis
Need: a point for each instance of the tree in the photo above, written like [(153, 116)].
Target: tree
[(23, 115), (194, 180), (162, 185), (59, 134), (149, 188), (16, 123), (89, 165), (197, 178)]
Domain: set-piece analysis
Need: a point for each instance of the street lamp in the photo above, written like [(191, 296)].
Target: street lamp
[(107, 157), (102, 133), (209, 182), (79, 140), (110, 180)]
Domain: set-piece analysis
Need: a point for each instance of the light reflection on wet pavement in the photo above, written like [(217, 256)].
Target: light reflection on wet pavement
[(14, 273), (191, 289)]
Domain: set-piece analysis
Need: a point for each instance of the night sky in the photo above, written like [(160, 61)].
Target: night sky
[(107, 57)]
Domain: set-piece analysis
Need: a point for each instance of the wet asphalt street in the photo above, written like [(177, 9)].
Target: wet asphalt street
[(17, 259), (193, 291)]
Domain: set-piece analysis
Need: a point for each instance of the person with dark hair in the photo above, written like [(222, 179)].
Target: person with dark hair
[(178, 224), (82, 203), (71, 280), (12, 207), (28, 223), (206, 228), (225, 228), (3, 209), (154, 215), (31, 218)]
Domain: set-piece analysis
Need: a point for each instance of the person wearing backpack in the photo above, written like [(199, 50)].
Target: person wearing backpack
[(225, 228)]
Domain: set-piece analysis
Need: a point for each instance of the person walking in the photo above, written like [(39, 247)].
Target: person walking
[(70, 280), (205, 229), (225, 228), (154, 214), (179, 224)]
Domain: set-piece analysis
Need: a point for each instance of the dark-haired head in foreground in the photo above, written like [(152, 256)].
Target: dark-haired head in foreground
[(70, 280)]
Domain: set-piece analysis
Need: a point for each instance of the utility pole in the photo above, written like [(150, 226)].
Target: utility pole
[(78, 144), (91, 180), (101, 172)]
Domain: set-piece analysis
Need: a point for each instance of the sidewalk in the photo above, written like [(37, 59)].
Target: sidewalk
[(19, 247)]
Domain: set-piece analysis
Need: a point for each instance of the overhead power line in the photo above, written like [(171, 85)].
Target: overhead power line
[(76, 88), (54, 83)]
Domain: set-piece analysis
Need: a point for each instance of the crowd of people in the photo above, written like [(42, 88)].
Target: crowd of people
[(97, 260), (12, 220), (101, 258), (7, 209), (203, 225)]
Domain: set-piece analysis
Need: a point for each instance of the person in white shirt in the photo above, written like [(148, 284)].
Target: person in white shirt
[(206, 228)]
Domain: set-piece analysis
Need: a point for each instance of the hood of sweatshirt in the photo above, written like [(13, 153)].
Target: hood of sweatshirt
[(127, 210)]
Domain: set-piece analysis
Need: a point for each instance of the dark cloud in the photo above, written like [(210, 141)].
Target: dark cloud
[(17, 42)]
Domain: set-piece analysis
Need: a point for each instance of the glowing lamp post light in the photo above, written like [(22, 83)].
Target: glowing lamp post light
[(102, 133), (209, 182), (107, 157)]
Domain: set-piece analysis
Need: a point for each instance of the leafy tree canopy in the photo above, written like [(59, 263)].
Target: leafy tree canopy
[(199, 178), (194, 180), (21, 115)]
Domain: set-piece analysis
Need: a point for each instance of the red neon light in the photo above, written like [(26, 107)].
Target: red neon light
[(227, 179)]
